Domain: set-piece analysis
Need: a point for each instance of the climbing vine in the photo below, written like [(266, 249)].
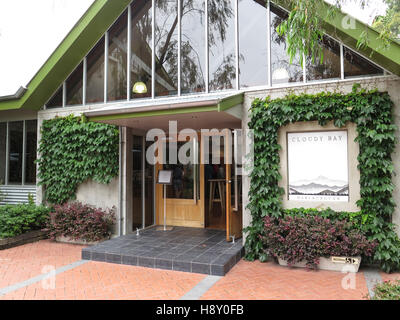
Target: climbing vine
[(371, 111), (72, 151)]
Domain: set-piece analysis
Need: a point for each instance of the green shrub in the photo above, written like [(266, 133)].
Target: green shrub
[(18, 219), (387, 291)]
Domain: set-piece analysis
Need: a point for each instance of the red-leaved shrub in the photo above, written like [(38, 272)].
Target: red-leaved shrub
[(80, 222), (297, 239)]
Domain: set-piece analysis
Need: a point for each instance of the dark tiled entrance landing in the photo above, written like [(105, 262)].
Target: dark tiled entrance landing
[(181, 249)]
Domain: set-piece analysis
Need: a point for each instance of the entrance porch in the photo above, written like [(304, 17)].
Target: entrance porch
[(184, 249)]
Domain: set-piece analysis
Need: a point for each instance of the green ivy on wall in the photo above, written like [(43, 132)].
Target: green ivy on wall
[(72, 151), (371, 111)]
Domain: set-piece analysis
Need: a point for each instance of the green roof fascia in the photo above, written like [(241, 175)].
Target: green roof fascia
[(83, 36), (388, 58), (230, 102), (223, 105), (145, 114)]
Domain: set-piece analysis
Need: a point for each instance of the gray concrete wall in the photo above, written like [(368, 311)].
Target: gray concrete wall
[(389, 84), (101, 196)]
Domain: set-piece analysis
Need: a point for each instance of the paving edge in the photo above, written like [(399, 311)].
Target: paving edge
[(372, 278), (201, 288), (20, 285)]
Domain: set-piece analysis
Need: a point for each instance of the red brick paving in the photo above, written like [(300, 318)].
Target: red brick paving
[(97, 280), (390, 277), (269, 281), (27, 261)]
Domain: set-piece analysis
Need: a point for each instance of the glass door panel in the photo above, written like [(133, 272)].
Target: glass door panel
[(149, 192), (137, 183), (184, 177), (142, 186), (184, 197)]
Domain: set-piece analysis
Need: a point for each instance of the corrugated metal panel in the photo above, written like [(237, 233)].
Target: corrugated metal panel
[(17, 194)]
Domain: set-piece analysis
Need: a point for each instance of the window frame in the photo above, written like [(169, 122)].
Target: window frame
[(24, 154), (236, 84)]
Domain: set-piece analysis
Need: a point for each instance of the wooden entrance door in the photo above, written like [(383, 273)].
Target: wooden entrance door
[(185, 204)]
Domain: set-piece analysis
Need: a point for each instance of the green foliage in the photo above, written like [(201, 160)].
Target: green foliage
[(372, 113), (387, 291), (73, 151), (389, 25), (358, 220), (305, 25), (18, 219)]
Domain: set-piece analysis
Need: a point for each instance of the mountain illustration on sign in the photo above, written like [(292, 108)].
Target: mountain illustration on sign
[(319, 186)]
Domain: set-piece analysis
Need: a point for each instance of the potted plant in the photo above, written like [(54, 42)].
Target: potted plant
[(80, 224), (315, 243)]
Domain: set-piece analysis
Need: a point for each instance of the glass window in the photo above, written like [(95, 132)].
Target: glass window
[(95, 74), (57, 100), (282, 70), (330, 66), (357, 66), (16, 138), (3, 145), (193, 46), (141, 60), (253, 27), (31, 147), (117, 60), (183, 175), (166, 47), (74, 86), (221, 41)]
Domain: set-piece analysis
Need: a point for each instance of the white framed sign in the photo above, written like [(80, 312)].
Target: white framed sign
[(318, 166), (164, 177)]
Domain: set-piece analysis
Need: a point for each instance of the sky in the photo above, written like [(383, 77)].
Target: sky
[(31, 30)]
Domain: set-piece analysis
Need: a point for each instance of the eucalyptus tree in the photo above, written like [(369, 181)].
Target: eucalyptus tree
[(389, 25), (305, 27)]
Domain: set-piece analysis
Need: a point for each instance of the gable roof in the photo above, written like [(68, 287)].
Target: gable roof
[(102, 13), (80, 40)]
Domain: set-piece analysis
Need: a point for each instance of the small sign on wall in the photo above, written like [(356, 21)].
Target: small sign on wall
[(318, 166)]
